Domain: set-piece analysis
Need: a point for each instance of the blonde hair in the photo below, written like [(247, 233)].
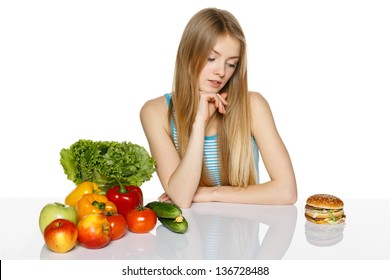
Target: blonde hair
[(234, 139)]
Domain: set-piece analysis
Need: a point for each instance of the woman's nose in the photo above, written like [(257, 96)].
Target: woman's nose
[(220, 69)]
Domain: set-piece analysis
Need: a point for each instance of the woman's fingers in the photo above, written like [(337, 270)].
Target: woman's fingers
[(164, 198), (221, 104), (222, 98), (218, 100)]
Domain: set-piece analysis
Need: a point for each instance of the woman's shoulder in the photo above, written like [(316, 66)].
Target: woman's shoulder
[(155, 104), (155, 108), (258, 100), (261, 112)]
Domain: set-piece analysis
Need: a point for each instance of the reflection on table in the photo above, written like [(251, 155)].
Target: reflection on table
[(216, 231), (324, 235)]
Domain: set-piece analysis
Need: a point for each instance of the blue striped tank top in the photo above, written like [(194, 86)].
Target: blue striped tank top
[(210, 152)]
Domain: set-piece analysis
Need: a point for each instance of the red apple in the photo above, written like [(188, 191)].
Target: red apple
[(94, 231), (60, 235)]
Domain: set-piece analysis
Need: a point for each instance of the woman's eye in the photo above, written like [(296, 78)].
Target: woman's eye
[(231, 65), (211, 59)]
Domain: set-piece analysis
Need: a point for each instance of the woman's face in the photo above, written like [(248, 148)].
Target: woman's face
[(220, 65)]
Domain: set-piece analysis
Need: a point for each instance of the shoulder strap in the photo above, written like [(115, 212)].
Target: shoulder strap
[(168, 98), (171, 122)]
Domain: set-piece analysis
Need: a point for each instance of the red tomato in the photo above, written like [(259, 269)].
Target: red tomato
[(118, 225), (141, 220)]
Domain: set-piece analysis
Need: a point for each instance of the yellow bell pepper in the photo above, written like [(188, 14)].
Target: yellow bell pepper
[(94, 203), (83, 188)]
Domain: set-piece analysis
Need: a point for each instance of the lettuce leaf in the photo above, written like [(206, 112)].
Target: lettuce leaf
[(107, 163)]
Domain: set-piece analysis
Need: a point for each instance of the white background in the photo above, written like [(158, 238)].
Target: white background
[(83, 69)]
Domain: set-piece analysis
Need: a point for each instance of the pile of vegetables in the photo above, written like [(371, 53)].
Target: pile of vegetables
[(107, 163), (107, 200)]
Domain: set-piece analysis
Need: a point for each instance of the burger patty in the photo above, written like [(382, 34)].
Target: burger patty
[(330, 219)]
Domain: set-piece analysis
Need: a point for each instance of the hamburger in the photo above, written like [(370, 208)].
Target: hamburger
[(324, 209)]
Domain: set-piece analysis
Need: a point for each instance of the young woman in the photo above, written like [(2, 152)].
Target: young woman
[(207, 133)]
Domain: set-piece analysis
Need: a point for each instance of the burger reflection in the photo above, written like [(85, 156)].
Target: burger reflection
[(216, 231), (323, 235)]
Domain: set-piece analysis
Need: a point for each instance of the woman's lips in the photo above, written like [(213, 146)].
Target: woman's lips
[(214, 83)]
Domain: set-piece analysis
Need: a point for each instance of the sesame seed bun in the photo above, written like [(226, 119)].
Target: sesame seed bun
[(325, 201)]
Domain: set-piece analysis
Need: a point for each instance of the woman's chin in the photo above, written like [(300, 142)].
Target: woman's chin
[(210, 89)]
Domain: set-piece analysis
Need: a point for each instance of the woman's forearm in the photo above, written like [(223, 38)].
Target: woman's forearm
[(275, 192), (184, 181)]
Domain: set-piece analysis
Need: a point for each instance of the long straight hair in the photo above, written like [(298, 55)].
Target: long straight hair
[(234, 127)]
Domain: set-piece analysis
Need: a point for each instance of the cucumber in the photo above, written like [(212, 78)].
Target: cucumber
[(178, 225), (164, 209)]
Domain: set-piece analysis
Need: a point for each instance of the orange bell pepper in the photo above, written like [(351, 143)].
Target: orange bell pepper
[(94, 203)]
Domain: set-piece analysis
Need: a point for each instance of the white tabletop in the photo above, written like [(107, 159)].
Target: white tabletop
[(217, 231)]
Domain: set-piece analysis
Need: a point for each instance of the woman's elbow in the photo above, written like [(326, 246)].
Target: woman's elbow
[(290, 200), (286, 193), (183, 204), (181, 201), (290, 195)]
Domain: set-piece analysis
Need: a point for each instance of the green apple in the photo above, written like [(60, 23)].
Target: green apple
[(56, 210)]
